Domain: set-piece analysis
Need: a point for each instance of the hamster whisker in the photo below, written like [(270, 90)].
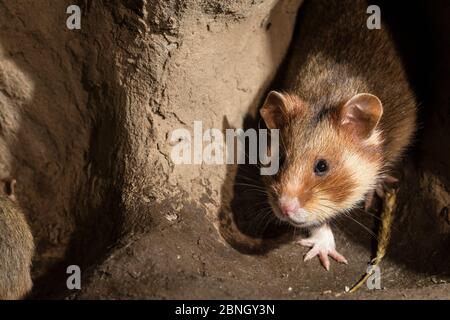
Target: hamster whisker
[(249, 185), (260, 191), (249, 179), (370, 214), (263, 205), (264, 217), (345, 214)]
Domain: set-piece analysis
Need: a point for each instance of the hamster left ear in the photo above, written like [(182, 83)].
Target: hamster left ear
[(361, 114), (274, 109)]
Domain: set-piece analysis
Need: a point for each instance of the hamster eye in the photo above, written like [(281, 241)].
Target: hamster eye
[(321, 167)]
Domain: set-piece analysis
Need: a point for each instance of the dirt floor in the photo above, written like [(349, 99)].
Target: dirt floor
[(199, 266), (185, 257)]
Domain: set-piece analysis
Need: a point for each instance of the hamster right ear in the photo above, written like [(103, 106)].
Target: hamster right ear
[(273, 109), (361, 114)]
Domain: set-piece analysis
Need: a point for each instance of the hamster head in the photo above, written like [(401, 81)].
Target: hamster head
[(330, 156)]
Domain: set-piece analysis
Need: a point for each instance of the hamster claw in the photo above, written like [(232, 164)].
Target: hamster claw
[(322, 245), (323, 255)]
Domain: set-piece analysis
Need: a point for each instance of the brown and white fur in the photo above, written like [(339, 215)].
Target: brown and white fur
[(345, 102)]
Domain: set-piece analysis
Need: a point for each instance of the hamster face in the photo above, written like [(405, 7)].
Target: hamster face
[(325, 169)]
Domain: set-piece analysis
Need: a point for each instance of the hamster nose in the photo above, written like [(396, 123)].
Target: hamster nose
[(288, 206)]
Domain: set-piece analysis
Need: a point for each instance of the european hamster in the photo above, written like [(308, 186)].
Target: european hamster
[(16, 248), (345, 112)]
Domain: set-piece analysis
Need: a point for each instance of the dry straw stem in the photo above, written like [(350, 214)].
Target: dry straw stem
[(384, 234)]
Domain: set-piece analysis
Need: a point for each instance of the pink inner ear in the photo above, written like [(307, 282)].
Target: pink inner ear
[(361, 114), (354, 113), (349, 118), (278, 107)]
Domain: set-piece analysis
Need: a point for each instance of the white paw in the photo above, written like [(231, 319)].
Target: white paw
[(322, 245)]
